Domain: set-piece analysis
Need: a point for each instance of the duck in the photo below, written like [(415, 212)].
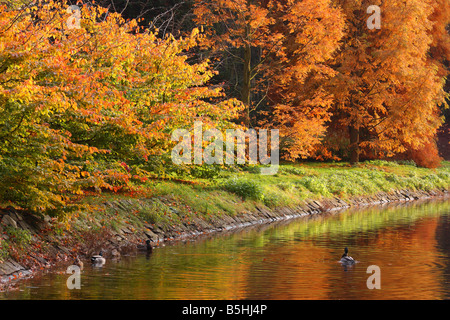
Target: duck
[(78, 263), (147, 247), (346, 259), (98, 259)]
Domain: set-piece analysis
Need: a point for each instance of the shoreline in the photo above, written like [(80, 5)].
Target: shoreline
[(62, 249)]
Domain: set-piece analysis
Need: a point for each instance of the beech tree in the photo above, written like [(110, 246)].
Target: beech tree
[(80, 106)]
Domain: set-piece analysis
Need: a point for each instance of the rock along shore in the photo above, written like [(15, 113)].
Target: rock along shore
[(63, 249)]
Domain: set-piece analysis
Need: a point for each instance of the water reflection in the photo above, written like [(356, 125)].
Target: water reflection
[(295, 260)]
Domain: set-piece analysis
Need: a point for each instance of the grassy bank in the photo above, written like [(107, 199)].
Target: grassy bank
[(237, 190), (167, 208)]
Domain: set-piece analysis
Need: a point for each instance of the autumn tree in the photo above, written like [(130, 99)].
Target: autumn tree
[(386, 90), (168, 16), (88, 106), (299, 70), (238, 29), (440, 32), (278, 46)]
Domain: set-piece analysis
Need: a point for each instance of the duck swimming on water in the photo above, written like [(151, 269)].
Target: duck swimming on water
[(147, 247), (346, 259), (78, 263), (98, 259)]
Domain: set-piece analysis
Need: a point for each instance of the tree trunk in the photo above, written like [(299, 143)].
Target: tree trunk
[(246, 82), (354, 145)]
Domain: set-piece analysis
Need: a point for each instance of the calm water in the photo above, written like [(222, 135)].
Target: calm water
[(295, 260)]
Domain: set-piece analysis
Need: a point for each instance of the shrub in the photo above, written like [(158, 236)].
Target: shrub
[(315, 185), (252, 169), (292, 170), (19, 236), (427, 156), (286, 186), (205, 171), (4, 251), (247, 189), (272, 200), (383, 163), (407, 163)]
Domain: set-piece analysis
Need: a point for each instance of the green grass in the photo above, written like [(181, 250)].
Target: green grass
[(241, 189)]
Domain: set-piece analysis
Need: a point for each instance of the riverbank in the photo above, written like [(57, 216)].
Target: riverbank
[(118, 223)]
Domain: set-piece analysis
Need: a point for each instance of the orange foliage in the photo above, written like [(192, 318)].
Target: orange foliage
[(284, 49), (386, 89), (426, 156), (311, 31), (75, 100)]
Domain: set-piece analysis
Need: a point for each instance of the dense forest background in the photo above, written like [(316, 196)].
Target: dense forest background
[(180, 17), (93, 107)]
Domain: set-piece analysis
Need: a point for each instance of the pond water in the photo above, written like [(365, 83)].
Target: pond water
[(295, 259)]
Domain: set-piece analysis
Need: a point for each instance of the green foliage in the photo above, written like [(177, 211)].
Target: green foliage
[(299, 171), (246, 189), (407, 163), (252, 169), (205, 171), (383, 163), (156, 213), (20, 236), (391, 163), (317, 186), (271, 200), (286, 186), (162, 166), (4, 251)]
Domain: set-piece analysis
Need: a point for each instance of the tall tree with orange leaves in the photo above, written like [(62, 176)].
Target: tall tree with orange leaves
[(386, 89), (299, 70), (274, 43)]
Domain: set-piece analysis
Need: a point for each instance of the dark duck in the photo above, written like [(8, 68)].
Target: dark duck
[(346, 259), (147, 247)]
